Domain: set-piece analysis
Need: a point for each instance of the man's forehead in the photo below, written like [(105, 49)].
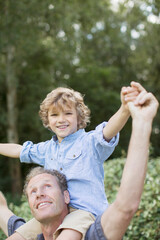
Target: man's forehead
[(41, 179)]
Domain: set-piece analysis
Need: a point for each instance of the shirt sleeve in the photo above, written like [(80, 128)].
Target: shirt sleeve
[(33, 153), (95, 231), (103, 148), (14, 222)]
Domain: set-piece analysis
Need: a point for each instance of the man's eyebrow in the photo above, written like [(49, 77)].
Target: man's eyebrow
[(48, 181), (44, 181), (31, 186)]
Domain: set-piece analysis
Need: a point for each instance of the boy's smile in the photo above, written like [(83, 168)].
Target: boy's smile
[(63, 122)]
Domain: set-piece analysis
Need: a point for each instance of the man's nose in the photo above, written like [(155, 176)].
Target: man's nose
[(39, 193)]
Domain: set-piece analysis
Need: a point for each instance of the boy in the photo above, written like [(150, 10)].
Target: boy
[(74, 152)]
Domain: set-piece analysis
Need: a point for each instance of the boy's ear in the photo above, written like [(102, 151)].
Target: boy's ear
[(48, 127), (66, 196), (78, 121)]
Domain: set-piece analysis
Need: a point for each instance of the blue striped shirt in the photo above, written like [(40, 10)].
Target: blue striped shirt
[(80, 156)]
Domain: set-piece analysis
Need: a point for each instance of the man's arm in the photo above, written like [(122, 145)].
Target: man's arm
[(10, 150), (5, 214), (117, 217), (119, 119)]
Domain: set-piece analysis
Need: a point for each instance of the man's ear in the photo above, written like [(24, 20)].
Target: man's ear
[(66, 197)]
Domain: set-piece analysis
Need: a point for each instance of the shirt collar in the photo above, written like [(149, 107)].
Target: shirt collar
[(72, 136)]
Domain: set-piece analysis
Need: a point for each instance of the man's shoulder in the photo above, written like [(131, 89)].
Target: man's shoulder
[(40, 237), (95, 232)]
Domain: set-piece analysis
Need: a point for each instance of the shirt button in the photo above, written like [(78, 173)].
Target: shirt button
[(61, 168), (74, 155)]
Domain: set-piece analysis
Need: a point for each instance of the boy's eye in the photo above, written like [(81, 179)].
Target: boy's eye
[(47, 185), (68, 113), (54, 114)]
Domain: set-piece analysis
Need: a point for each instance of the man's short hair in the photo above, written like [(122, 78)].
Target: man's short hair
[(61, 178)]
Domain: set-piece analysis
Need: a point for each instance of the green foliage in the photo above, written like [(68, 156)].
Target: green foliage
[(2, 235), (146, 222), (22, 210), (83, 45)]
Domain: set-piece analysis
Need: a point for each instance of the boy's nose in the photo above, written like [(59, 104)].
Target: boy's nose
[(61, 118)]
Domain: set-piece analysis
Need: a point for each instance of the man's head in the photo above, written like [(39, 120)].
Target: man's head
[(61, 99), (47, 194)]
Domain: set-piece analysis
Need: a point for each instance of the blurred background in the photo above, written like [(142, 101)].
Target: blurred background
[(94, 47)]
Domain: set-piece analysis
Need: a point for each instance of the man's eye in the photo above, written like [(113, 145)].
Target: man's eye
[(48, 185), (33, 192)]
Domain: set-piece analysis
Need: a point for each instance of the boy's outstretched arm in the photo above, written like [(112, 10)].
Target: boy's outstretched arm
[(119, 119), (10, 149)]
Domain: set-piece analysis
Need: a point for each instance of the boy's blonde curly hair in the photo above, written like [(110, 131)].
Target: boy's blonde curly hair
[(62, 97)]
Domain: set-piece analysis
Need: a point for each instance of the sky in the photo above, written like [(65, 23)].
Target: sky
[(151, 18)]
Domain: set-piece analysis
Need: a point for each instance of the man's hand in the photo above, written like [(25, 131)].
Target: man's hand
[(3, 202), (118, 215), (145, 106)]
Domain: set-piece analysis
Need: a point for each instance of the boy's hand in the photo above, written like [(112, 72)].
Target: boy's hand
[(128, 94), (145, 105)]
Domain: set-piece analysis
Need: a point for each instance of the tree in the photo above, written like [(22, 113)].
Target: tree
[(18, 22), (87, 46)]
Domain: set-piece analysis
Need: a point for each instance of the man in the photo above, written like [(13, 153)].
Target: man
[(115, 220)]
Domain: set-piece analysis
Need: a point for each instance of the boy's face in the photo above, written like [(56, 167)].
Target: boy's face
[(63, 122)]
